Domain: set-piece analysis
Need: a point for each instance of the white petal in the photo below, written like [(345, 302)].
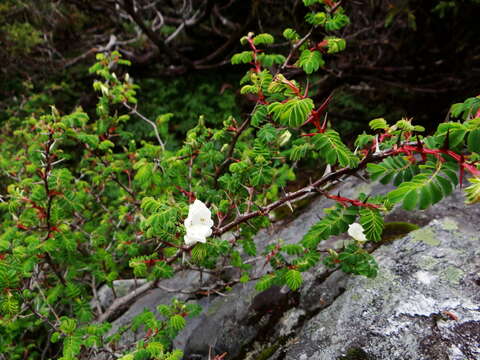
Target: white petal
[(198, 223), (355, 230), (190, 240), (199, 214), (197, 233), (200, 230)]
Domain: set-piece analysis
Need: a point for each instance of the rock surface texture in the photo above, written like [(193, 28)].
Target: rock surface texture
[(425, 303)]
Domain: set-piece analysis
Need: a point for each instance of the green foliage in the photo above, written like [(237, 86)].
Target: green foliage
[(310, 61), (335, 222), (330, 22), (263, 39), (378, 124), (333, 150), (290, 34), (336, 45), (396, 168), (473, 191), (434, 181), (292, 113), (293, 279), (372, 221), (242, 58), (23, 36), (353, 260)]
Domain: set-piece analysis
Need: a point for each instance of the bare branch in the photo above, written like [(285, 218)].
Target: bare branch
[(150, 122)]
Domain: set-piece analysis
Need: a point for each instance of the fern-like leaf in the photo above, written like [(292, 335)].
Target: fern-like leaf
[(335, 222), (293, 279), (372, 223), (435, 181), (333, 150), (396, 168)]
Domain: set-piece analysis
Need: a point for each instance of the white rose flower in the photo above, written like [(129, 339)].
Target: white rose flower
[(355, 230), (198, 223)]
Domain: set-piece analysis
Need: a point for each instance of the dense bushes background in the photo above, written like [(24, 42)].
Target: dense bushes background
[(404, 57)]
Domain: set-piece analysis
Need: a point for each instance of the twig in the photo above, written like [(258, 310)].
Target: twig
[(150, 122), (294, 48)]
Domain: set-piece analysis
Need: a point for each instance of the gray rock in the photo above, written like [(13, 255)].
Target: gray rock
[(424, 304), (105, 294)]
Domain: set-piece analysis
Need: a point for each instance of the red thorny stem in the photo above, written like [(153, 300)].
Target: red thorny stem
[(344, 201), (459, 158), (315, 116)]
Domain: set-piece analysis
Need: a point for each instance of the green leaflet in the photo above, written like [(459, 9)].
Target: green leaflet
[(333, 150), (335, 222), (311, 2), (336, 45), (378, 124), (396, 168), (451, 134), (372, 222), (473, 141), (290, 34), (293, 113), (299, 151), (310, 61), (265, 282), (293, 279), (432, 184), (259, 115), (177, 322), (263, 39), (354, 260), (472, 192), (242, 58)]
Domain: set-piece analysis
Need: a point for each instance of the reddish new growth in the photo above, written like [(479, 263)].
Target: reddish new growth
[(257, 66), (190, 195), (315, 118)]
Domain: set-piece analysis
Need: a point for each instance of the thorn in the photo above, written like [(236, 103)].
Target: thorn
[(446, 143), (328, 170), (419, 143), (324, 124), (399, 140), (325, 103), (289, 204), (358, 176)]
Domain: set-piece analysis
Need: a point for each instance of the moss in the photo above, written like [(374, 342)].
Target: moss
[(427, 236), (268, 352), (449, 224), (355, 354), (397, 229), (452, 274), (427, 263)]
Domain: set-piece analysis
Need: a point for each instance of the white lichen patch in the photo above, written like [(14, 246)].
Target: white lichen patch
[(289, 320), (418, 305), (425, 277), (449, 224)]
